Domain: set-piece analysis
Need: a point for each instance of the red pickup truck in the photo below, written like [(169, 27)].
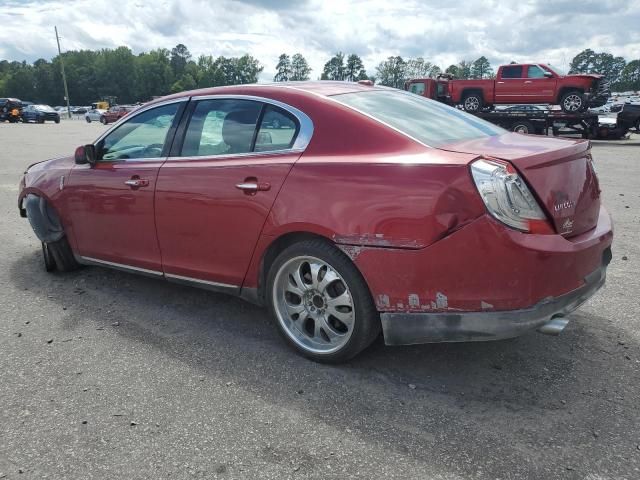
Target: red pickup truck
[(530, 84)]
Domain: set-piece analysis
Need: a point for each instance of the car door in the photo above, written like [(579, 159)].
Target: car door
[(213, 197), (510, 85), (111, 203), (537, 87)]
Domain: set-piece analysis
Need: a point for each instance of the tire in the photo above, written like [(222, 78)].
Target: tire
[(305, 320), (103, 120), (49, 261), (572, 102), (472, 102), (523, 127), (57, 120), (638, 126), (87, 119), (63, 255), (40, 120)]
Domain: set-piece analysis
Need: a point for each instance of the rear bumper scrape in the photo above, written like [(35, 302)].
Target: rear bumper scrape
[(416, 328)]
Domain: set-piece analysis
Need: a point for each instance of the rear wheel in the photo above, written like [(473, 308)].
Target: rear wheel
[(103, 120), (572, 102), (472, 102), (321, 303), (87, 119), (523, 127)]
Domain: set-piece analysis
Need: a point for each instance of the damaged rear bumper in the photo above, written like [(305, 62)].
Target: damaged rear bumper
[(416, 328)]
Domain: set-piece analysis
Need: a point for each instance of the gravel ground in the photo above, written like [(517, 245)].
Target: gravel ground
[(108, 375)]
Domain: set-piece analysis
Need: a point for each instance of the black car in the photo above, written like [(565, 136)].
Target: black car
[(40, 114), (629, 116), (10, 109)]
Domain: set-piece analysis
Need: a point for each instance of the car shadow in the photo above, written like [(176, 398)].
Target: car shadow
[(408, 399)]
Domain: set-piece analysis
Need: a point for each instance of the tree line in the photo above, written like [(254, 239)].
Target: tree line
[(119, 73)]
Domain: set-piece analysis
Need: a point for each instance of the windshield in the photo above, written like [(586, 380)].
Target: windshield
[(431, 123), (44, 108)]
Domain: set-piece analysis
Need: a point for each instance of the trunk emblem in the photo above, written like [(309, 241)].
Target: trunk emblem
[(567, 226)]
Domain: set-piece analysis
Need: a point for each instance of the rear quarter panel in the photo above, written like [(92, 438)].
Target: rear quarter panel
[(458, 87)]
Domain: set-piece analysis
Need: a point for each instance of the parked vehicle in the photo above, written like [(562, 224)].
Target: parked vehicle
[(94, 115), (80, 110), (39, 114), (10, 110), (528, 119), (629, 116), (365, 217), (115, 113), (531, 83)]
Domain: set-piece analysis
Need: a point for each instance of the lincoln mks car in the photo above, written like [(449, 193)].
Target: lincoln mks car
[(346, 209)]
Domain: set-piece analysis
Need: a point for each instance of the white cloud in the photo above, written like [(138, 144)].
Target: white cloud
[(441, 31)]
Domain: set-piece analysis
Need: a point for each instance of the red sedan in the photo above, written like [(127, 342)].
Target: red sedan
[(346, 209)]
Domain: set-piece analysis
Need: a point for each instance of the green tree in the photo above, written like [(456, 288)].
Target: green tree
[(629, 77), (354, 69), (283, 69), (180, 55), (481, 68), (603, 63), (155, 76), (392, 72), (334, 69), (417, 68), (299, 68)]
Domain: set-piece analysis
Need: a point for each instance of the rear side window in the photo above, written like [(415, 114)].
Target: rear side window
[(221, 127), (278, 130), (428, 121), (512, 72)]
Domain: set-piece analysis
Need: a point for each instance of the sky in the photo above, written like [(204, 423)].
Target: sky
[(441, 31)]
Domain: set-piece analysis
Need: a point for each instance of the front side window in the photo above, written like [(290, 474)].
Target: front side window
[(512, 71), (535, 71), (142, 136), (428, 121), (417, 88), (221, 127)]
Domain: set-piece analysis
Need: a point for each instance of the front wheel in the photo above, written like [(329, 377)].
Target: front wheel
[(321, 303), (572, 102), (87, 119), (61, 254), (103, 120)]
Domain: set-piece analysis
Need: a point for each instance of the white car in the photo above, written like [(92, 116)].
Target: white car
[(94, 115)]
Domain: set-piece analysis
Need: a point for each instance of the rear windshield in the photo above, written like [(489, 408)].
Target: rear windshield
[(428, 121)]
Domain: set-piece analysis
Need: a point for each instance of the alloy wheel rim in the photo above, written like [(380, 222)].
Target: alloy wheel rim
[(314, 305), (472, 103), (572, 102)]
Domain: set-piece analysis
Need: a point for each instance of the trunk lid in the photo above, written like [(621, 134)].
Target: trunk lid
[(558, 171)]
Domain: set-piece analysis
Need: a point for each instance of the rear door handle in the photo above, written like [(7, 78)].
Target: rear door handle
[(137, 182)]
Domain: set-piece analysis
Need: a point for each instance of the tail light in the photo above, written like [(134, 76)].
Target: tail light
[(507, 196)]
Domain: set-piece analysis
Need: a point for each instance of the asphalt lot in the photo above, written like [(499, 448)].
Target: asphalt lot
[(108, 375)]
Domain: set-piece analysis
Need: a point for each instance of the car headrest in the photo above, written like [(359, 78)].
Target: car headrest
[(238, 129)]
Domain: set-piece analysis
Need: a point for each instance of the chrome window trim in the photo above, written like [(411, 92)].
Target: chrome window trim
[(222, 157), (305, 132)]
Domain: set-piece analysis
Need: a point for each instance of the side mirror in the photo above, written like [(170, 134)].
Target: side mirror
[(85, 154), (548, 74)]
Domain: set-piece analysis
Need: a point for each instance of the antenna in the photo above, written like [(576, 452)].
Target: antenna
[(64, 77)]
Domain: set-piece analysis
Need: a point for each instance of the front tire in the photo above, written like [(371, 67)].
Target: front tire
[(47, 256), (103, 120), (62, 255), (572, 102), (472, 102), (321, 302), (87, 119)]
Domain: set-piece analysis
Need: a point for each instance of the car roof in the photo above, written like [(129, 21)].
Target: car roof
[(322, 88)]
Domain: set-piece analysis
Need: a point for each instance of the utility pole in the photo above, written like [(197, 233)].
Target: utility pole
[(64, 77)]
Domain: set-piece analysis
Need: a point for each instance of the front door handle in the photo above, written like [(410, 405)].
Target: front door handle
[(137, 182), (527, 81), (250, 186)]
